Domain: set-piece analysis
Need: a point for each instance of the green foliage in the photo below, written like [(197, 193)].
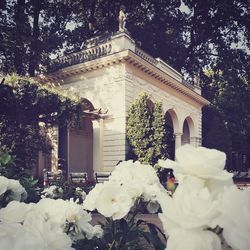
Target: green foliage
[(188, 38), (215, 131), (159, 132), (139, 129), (191, 35), (24, 105), (145, 130), (10, 168), (228, 119)]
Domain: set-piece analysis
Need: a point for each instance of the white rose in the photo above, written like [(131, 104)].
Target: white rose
[(90, 200), (58, 211), (234, 218), (114, 201), (4, 182), (51, 233), (18, 192), (15, 211), (125, 174), (198, 239), (204, 163), (192, 206), (14, 236), (201, 162), (137, 178)]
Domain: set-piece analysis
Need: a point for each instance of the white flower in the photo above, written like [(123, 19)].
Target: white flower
[(138, 179), (52, 192), (201, 162), (192, 206), (129, 181), (204, 163), (51, 233), (89, 230), (17, 190), (90, 200), (81, 192), (235, 219), (62, 212), (113, 201), (181, 239), (15, 211), (14, 236), (4, 182), (35, 233)]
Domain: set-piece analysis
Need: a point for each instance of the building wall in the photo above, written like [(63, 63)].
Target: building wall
[(184, 107), (105, 89), (114, 89)]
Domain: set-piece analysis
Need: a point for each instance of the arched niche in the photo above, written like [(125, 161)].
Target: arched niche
[(188, 131), (76, 144), (174, 118)]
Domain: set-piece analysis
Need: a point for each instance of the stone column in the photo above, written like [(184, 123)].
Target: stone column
[(195, 141), (177, 140), (101, 122)]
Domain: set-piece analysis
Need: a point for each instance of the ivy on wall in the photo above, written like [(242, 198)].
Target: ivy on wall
[(145, 130), (24, 104)]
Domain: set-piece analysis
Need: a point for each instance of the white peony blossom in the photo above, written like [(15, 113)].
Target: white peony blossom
[(14, 236), (181, 239), (4, 182), (54, 217), (15, 211), (234, 218), (192, 206), (62, 212), (204, 163), (90, 200), (81, 192), (17, 191), (129, 181), (114, 201), (53, 235), (33, 234), (52, 192), (201, 162), (139, 179)]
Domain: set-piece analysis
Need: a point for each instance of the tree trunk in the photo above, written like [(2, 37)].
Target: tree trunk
[(19, 20), (34, 45)]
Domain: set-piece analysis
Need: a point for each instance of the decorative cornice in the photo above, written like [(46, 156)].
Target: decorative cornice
[(149, 68)]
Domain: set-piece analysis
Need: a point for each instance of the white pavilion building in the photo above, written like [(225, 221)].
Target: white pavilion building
[(110, 72)]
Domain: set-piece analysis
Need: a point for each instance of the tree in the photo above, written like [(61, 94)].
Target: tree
[(145, 130), (191, 35), (215, 131), (24, 104), (159, 132), (231, 104)]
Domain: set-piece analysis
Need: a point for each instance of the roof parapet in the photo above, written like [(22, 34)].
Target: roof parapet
[(112, 43)]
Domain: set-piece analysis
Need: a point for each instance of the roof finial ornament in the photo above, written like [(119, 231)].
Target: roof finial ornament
[(122, 19)]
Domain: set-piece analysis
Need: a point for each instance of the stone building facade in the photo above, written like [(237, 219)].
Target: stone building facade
[(111, 71)]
